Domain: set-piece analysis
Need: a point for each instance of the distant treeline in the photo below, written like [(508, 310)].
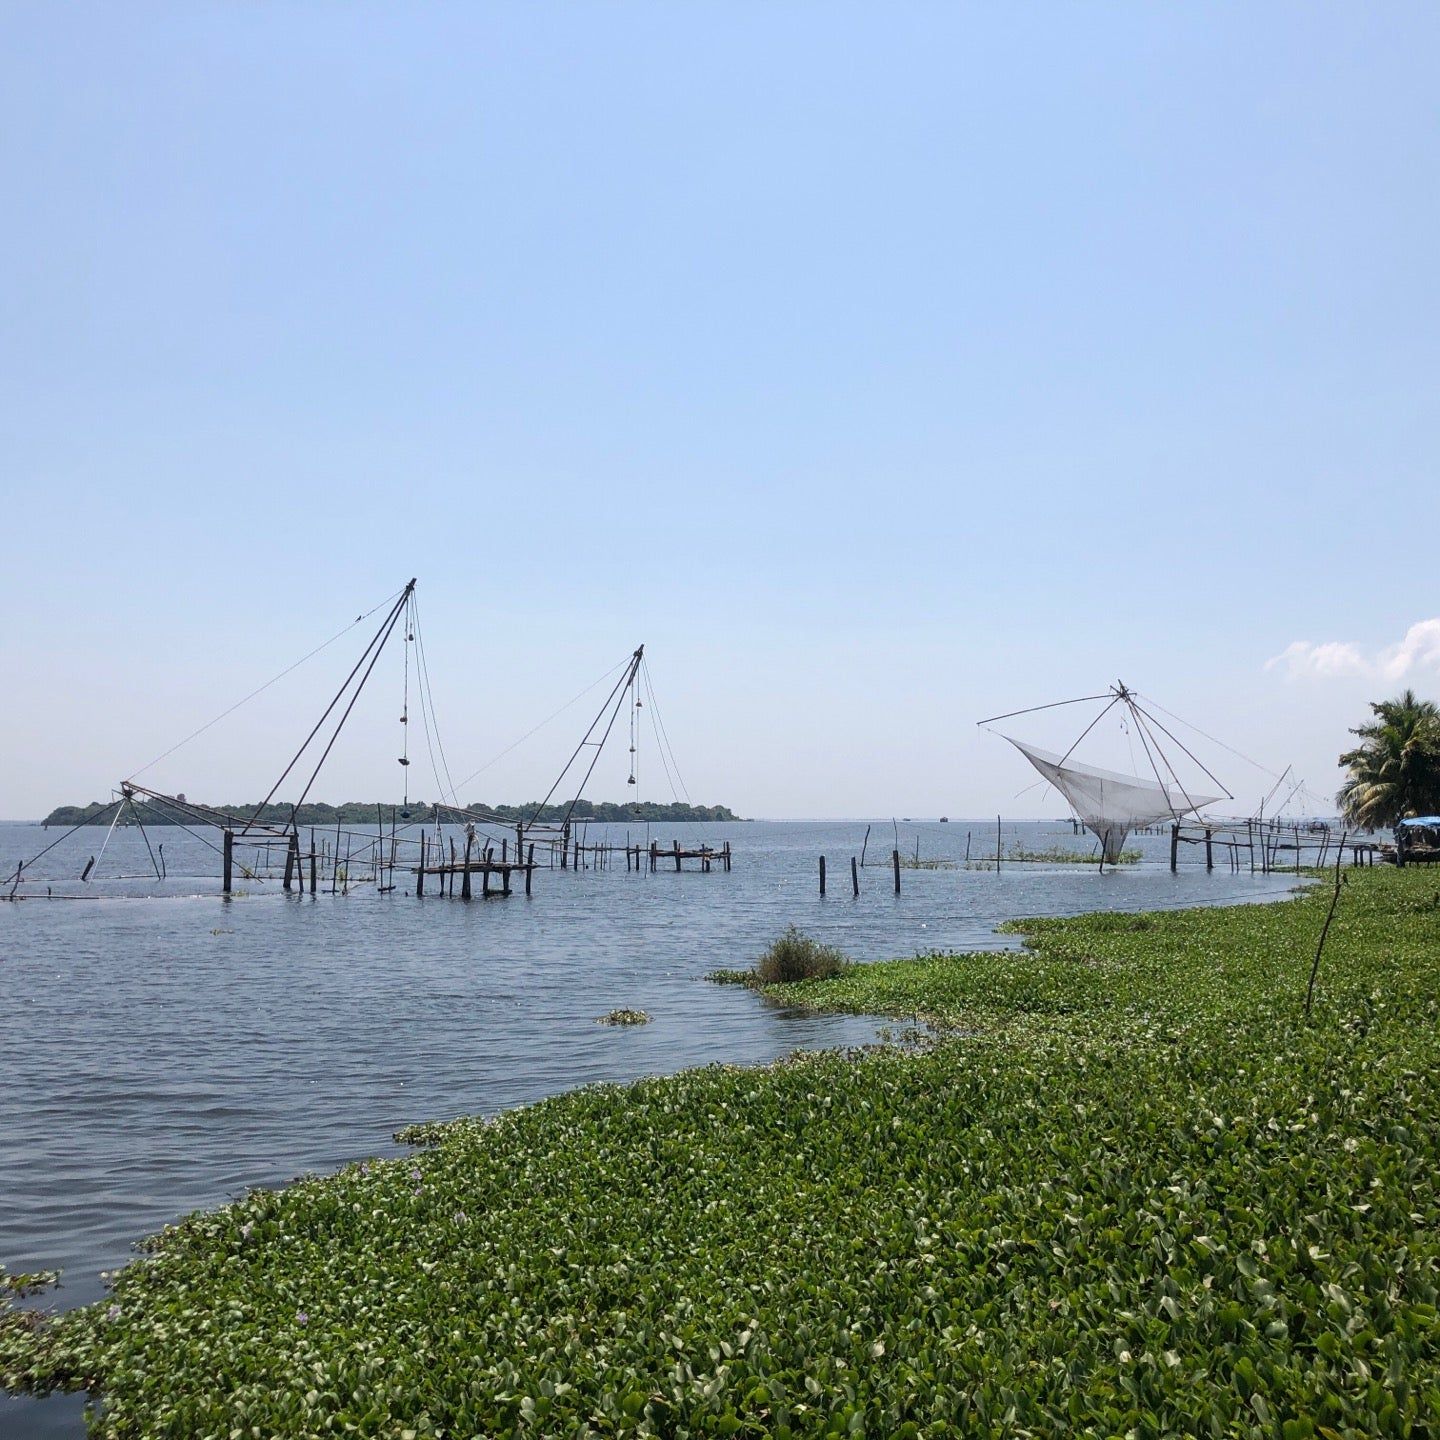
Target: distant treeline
[(355, 812)]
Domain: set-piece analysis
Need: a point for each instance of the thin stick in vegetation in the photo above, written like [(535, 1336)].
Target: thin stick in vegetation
[(1334, 901)]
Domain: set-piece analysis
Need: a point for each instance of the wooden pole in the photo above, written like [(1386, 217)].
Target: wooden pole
[(465, 879), (228, 853), (997, 844), (1209, 856), (312, 862), (292, 858), (1174, 846), (420, 873), (822, 877), (530, 866), (855, 876), (895, 864), (677, 857)]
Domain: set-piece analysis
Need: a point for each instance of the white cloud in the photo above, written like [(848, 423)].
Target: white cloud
[(1418, 650)]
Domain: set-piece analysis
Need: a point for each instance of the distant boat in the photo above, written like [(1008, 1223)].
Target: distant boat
[(944, 819)]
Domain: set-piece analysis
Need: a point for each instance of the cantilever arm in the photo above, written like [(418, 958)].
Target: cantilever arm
[(1055, 704)]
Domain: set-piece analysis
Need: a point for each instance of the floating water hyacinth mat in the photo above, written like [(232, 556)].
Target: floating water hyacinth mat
[(1141, 1195)]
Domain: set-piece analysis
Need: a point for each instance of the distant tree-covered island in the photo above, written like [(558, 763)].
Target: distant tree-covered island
[(358, 812)]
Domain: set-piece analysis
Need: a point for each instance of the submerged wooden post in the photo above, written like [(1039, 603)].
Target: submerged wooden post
[(822, 877), (292, 858), (229, 858), (529, 866), (451, 889), (997, 844), (420, 873), (312, 861), (465, 879), (727, 857), (677, 857), (895, 863), (1209, 857), (1174, 846), (854, 875)]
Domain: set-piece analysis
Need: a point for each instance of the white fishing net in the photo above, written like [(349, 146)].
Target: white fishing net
[(1110, 804)]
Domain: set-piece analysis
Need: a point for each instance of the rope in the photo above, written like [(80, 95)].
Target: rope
[(655, 710), (1180, 720), (429, 694), (574, 700), (88, 820), (405, 701), (194, 734)]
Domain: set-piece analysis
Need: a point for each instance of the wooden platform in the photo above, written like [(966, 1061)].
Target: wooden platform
[(466, 865), (705, 854)]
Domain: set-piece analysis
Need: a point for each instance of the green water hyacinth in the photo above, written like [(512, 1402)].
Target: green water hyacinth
[(1134, 1193)]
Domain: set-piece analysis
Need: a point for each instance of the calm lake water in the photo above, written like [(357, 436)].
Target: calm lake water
[(169, 1049)]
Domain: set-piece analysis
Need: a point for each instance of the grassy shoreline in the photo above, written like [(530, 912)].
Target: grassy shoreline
[(1140, 1194)]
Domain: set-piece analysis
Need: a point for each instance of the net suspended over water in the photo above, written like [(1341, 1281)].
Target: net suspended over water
[(1110, 804)]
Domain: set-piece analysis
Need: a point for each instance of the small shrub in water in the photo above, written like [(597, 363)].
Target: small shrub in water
[(797, 957)]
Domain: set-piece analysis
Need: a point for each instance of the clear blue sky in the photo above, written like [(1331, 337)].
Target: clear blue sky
[(881, 367)]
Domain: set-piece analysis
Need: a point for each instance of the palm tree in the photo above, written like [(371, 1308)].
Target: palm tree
[(1395, 770)]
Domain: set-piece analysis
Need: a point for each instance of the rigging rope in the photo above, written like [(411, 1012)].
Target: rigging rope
[(405, 702), (429, 695), (194, 734), (655, 713), (574, 700), (1180, 719)]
